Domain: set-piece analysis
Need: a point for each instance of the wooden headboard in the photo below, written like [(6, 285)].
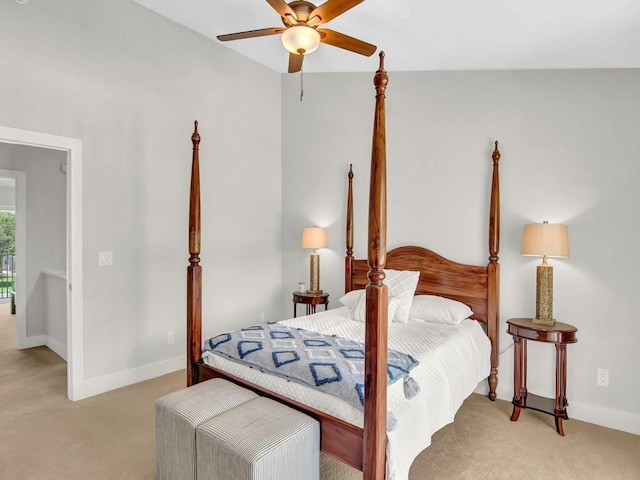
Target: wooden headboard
[(438, 276)]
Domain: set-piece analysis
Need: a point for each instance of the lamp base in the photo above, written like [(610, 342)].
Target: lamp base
[(549, 322), (544, 295), (314, 274)]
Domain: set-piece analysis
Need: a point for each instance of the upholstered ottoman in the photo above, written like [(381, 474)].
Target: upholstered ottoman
[(177, 416), (259, 440)]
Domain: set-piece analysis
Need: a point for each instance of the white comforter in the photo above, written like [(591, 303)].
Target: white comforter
[(453, 360)]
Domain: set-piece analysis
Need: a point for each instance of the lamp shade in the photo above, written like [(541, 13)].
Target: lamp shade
[(301, 39), (314, 237), (545, 240)]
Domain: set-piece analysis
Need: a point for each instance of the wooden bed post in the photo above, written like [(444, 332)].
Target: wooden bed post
[(375, 393), (348, 260), (493, 271), (194, 270)]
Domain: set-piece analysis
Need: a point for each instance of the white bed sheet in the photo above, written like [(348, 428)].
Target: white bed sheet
[(453, 360)]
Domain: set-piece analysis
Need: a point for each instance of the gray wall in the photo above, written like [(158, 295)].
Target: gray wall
[(570, 149), (129, 84), (45, 226)]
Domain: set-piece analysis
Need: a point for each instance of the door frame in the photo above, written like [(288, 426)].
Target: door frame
[(73, 149)]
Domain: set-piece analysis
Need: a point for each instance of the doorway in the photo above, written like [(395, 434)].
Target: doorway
[(72, 149), (7, 240)]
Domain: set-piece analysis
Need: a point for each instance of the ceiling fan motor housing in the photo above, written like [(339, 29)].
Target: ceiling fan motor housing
[(302, 10)]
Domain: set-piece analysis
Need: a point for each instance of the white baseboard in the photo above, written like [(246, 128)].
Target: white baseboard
[(34, 341), (46, 341), (605, 417), (96, 386), (57, 347)]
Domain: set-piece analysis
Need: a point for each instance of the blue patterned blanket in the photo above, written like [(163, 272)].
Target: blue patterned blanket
[(331, 364)]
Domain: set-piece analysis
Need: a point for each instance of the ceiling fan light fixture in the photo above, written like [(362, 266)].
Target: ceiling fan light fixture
[(301, 39)]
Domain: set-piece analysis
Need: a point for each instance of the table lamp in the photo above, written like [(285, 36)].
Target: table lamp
[(314, 237), (545, 240)]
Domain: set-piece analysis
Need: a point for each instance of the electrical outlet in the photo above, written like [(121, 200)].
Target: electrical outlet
[(171, 337), (105, 259), (603, 377), (262, 317)]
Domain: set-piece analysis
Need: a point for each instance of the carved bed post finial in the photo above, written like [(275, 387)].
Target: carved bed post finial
[(380, 80), (350, 213), (376, 329), (194, 270), (494, 213), (381, 57), (378, 182), (493, 272), (348, 260), (194, 199)]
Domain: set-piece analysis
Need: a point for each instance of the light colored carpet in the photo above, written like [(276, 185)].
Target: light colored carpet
[(111, 436)]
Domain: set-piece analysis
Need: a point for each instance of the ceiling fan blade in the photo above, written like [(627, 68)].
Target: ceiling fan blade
[(282, 8), (331, 9), (295, 62), (250, 34), (340, 40)]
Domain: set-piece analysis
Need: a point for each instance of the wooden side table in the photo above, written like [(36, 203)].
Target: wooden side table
[(523, 329), (310, 300)]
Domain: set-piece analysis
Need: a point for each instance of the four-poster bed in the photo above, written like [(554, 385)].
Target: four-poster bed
[(363, 444)]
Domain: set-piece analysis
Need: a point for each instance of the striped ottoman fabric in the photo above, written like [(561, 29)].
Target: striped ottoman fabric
[(177, 416), (259, 440)]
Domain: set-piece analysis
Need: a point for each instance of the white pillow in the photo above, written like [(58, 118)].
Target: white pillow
[(432, 308), (359, 310), (349, 299), (402, 285)]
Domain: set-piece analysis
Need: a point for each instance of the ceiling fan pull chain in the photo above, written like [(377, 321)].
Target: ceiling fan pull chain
[(301, 85)]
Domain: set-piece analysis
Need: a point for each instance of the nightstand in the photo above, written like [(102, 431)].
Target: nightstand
[(561, 334), (310, 300)]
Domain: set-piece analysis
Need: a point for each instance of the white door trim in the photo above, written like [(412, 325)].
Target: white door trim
[(73, 147)]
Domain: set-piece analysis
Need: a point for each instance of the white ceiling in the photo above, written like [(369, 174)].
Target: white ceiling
[(421, 35)]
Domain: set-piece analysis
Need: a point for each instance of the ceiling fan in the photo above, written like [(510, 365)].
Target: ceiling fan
[(301, 35)]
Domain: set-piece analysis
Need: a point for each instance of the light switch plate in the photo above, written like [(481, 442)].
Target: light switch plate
[(105, 259)]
